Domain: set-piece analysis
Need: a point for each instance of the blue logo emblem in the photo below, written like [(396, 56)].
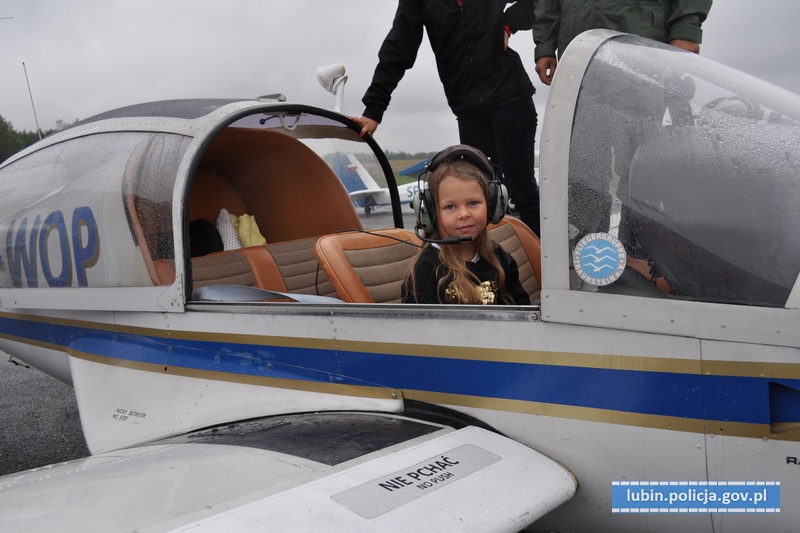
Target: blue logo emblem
[(599, 259)]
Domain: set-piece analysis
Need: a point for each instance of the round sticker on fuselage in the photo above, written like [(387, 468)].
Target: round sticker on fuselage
[(599, 259)]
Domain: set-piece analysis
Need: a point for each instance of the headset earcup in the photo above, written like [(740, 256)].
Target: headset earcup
[(497, 203), (424, 210)]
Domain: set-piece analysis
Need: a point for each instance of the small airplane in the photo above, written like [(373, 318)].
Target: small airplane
[(224, 388), (366, 193)]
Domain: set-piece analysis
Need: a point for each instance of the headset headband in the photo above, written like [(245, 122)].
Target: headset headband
[(467, 153)]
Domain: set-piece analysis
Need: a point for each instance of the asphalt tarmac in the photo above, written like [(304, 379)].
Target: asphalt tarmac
[(39, 422)]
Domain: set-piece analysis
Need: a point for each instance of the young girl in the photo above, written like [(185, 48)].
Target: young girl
[(476, 271)]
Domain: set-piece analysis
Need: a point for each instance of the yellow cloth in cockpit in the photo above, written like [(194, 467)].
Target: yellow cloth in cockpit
[(247, 229)]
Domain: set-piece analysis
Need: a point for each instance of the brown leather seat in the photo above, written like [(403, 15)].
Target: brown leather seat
[(368, 267), (251, 267), (297, 263), (522, 243)]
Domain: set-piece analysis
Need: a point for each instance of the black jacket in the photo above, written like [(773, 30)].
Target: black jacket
[(429, 269), (477, 75)]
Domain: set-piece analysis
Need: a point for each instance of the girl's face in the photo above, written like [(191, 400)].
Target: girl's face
[(461, 208)]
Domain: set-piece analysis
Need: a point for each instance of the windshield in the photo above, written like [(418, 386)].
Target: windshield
[(693, 167)]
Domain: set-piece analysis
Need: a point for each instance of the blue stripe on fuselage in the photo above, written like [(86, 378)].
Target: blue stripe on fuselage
[(727, 398)]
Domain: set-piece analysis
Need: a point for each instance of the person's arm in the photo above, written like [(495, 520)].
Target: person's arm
[(685, 22), (519, 17), (689, 46), (367, 125), (546, 68), (547, 19), (396, 55)]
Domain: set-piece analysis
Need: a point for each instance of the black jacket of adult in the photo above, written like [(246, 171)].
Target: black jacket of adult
[(477, 74)]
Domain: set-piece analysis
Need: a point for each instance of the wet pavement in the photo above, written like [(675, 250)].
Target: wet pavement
[(39, 422)]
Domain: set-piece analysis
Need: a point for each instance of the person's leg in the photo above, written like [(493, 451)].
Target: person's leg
[(514, 129), (507, 137), (476, 131)]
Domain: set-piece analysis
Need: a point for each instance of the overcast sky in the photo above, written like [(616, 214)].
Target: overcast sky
[(87, 56)]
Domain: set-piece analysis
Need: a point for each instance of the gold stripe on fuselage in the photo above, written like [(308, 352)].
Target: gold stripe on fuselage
[(614, 362), (532, 357)]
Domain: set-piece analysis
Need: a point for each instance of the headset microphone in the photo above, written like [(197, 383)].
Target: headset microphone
[(448, 240)]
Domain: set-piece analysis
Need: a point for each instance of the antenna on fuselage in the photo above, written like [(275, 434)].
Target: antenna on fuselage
[(333, 78), (35, 118)]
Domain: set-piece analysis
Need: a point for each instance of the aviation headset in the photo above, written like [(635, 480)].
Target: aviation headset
[(497, 200)]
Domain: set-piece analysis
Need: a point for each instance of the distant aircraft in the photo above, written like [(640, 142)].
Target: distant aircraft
[(233, 387), (366, 193)]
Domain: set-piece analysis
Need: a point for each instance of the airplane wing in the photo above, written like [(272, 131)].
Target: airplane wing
[(312, 472), (370, 197), (416, 170)]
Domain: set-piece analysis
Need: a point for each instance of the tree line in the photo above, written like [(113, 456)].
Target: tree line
[(405, 155), (12, 141)]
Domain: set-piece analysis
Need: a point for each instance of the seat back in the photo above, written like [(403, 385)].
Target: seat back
[(299, 268), (251, 267), (522, 243), (368, 267)]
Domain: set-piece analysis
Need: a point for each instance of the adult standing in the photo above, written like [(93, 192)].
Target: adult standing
[(606, 138), (484, 80), (676, 22)]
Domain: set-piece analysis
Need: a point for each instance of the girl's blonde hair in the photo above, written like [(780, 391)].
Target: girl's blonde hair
[(456, 276)]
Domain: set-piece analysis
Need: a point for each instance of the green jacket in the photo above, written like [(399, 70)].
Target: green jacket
[(557, 22)]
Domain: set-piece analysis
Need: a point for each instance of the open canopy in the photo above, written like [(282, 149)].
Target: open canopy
[(694, 167)]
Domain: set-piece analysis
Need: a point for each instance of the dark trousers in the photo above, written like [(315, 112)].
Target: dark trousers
[(507, 137)]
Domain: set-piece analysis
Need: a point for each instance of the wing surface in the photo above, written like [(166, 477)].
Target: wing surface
[(317, 472)]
